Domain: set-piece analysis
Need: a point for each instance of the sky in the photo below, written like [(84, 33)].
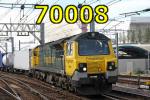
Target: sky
[(57, 31)]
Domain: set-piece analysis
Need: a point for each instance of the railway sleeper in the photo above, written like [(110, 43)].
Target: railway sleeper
[(58, 80)]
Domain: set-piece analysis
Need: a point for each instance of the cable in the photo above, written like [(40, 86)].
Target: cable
[(55, 2), (110, 2), (116, 1), (16, 4), (106, 24), (38, 14), (135, 12), (25, 17), (60, 27), (67, 31), (8, 11), (93, 2), (89, 2)]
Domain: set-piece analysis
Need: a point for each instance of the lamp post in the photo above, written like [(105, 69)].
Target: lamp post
[(84, 26)]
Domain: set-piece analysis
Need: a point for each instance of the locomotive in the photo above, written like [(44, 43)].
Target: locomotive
[(85, 63)]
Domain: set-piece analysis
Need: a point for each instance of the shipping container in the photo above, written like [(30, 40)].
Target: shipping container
[(8, 60), (22, 60), (1, 56)]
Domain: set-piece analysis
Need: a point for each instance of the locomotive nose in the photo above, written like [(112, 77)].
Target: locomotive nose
[(95, 65)]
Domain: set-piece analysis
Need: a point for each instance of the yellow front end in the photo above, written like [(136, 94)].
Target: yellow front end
[(95, 72), (35, 57), (95, 64)]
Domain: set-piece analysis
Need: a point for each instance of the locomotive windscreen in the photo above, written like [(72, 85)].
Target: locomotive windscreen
[(93, 47)]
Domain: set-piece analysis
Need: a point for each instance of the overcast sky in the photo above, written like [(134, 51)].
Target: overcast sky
[(54, 32)]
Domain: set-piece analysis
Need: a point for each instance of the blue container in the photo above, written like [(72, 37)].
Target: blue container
[(1, 56)]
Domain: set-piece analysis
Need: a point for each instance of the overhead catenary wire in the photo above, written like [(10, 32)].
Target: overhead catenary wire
[(68, 24), (109, 22), (94, 1), (116, 1), (90, 1), (66, 31), (38, 14), (8, 11), (26, 16), (135, 12), (32, 10), (84, 2), (56, 2), (17, 5)]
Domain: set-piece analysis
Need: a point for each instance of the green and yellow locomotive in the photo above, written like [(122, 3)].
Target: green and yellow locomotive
[(85, 63)]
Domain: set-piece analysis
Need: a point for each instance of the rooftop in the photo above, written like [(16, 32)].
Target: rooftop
[(140, 20)]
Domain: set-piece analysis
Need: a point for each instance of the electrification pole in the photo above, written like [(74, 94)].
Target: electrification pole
[(117, 49), (42, 35), (6, 47), (19, 45), (148, 62), (12, 43)]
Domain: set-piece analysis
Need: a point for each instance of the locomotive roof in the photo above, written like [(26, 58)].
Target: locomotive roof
[(79, 36)]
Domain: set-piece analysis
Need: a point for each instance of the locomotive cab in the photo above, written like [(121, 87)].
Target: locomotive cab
[(90, 62)]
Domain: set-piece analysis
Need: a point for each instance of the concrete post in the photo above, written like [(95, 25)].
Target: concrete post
[(12, 43), (42, 34)]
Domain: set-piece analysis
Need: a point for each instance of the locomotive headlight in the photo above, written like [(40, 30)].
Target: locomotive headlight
[(82, 67), (111, 66)]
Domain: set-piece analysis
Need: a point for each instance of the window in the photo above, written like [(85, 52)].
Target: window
[(93, 47), (131, 53), (69, 48), (34, 53)]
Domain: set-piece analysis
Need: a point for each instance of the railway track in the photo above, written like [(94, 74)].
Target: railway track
[(114, 97), (33, 89), (6, 88), (120, 95), (135, 77), (134, 80), (21, 87), (117, 95), (21, 90)]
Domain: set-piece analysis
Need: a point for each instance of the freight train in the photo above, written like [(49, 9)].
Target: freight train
[(84, 63)]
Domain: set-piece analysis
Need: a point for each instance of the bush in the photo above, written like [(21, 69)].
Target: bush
[(139, 72)]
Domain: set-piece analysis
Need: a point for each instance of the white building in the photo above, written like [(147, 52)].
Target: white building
[(139, 30)]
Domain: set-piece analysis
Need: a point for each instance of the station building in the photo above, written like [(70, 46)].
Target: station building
[(139, 30)]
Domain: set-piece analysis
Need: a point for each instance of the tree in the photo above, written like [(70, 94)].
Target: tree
[(128, 36), (147, 35), (139, 36), (132, 36), (124, 37)]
